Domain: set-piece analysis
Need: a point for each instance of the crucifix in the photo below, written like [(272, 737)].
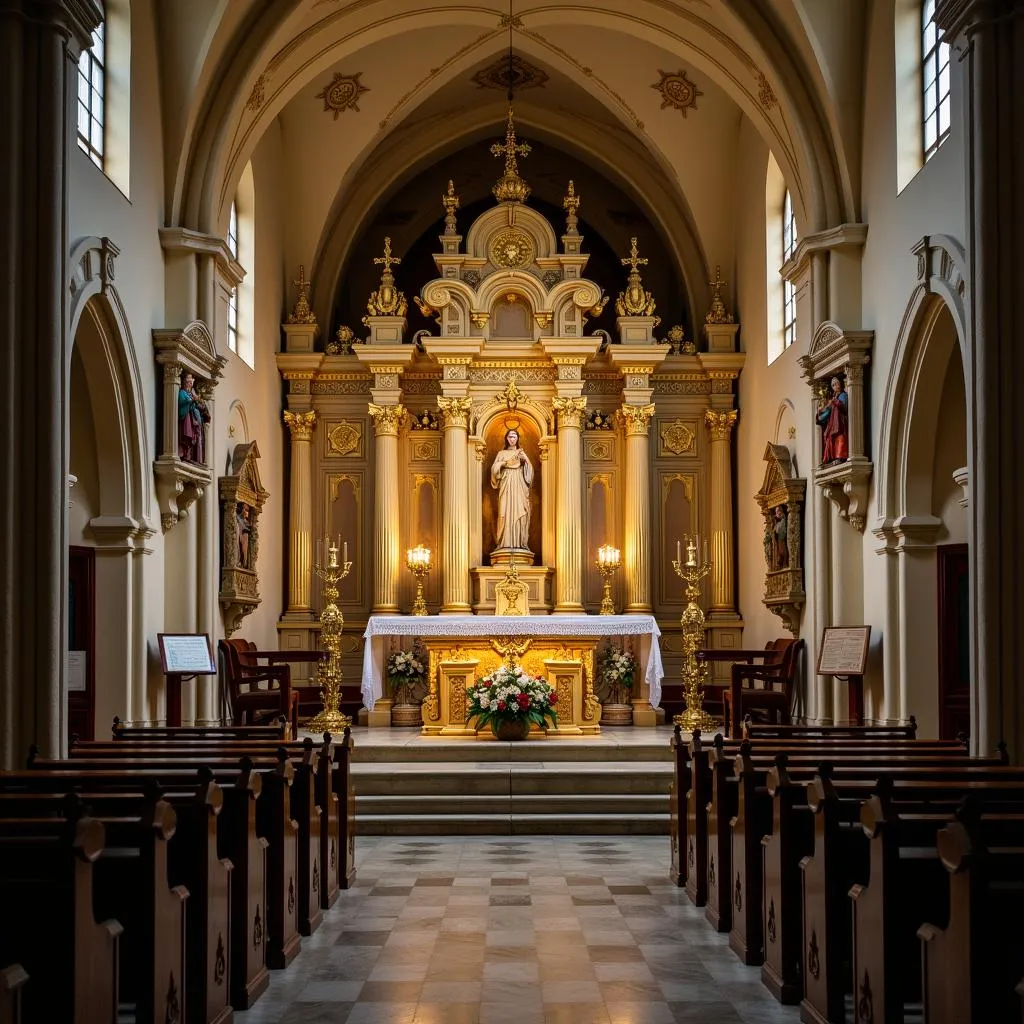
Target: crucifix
[(387, 259), (634, 259), (511, 148)]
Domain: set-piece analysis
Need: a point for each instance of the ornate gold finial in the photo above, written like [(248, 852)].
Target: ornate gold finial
[(341, 343), (512, 394), (387, 300), (571, 203), (635, 300), (450, 201), (510, 188), (302, 314), (718, 314)]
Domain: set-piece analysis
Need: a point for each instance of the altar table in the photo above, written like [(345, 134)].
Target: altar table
[(591, 628)]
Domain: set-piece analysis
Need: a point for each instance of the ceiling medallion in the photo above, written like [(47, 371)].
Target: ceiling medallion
[(677, 91), (511, 249), (524, 75), (765, 93), (343, 93)]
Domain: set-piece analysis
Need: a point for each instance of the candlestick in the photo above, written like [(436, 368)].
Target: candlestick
[(608, 562), (694, 672), (417, 560), (329, 674)]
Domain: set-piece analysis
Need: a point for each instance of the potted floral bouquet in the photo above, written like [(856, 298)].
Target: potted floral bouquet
[(510, 700), (406, 674), (617, 669)]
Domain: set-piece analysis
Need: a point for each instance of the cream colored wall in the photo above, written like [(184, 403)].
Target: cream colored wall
[(950, 455), (85, 495)]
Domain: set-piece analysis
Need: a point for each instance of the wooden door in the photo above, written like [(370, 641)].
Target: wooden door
[(81, 670), (954, 641)]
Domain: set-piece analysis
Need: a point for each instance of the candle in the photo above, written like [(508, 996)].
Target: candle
[(319, 558), (679, 555), (705, 551), (344, 557)]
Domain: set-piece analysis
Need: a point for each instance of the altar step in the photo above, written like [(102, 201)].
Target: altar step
[(492, 797)]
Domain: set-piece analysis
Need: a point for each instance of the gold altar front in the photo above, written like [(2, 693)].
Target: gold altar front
[(566, 663)]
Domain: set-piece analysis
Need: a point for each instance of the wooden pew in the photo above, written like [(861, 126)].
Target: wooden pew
[(47, 923), (12, 980), (969, 966), (238, 841), (193, 863), (767, 731), (907, 884), (337, 868), (130, 884), (293, 845), (677, 795), (279, 732)]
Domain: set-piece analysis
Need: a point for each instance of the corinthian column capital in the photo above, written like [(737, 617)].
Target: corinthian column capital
[(455, 411), (720, 422), (387, 419), (637, 419), (570, 411), (300, 424)]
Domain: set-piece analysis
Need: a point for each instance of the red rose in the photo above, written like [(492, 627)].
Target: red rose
[(501, 705), (553, 697), (524, 701)]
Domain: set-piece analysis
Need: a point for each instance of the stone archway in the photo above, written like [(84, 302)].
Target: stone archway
[(108, 452), (925, 430)]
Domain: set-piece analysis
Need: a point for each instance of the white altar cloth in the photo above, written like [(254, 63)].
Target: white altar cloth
[(380, 626)]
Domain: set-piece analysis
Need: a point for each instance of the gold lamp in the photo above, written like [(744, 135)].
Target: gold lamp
[(608, 561), (331, 718), (692, 572), (418, 561)]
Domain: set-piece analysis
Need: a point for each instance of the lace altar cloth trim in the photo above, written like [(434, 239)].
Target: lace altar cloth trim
[(380, 626)]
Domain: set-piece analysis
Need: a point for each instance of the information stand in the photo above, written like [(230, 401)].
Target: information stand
[(183, 656), (843, 653)]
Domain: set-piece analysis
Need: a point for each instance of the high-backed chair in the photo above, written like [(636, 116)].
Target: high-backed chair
[(715, 691), (249, 702), (767, 687)]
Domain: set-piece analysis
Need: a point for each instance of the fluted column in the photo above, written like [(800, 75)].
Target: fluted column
[(636, 527), (569, 539), (300, 514), (387, 420), (455, 579), (720, 509)]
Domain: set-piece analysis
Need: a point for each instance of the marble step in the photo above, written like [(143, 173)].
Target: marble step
[(626, 805), (482, 779), (514, 824)]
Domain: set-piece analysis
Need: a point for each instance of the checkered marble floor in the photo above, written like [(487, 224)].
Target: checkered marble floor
[(537, 930)]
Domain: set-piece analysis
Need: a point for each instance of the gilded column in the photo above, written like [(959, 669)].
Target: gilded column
[(387, 420), (723, 592), (636, 525), (569, 539), (455, 579), (300, 514)]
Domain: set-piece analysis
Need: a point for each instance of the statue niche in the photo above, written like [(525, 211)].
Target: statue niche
[(505, 530), (781, 500)]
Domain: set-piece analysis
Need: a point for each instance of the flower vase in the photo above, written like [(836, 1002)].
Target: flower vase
[(508, 729), (616, 714), (406, 715)]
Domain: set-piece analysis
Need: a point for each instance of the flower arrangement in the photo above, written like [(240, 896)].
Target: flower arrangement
[(405, 672), (617, 668), (512, 695)]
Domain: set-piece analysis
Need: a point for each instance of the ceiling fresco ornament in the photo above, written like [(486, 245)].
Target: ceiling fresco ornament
[(524, 75), (677, 91), (342, 93), (258, 94), (765, 93), (511, 249)]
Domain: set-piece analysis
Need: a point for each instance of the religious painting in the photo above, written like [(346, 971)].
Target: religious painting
[(495, 444)]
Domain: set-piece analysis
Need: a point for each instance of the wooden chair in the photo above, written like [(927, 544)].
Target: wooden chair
[(774, 696), (250, 703), (307, 695), (715, 692)]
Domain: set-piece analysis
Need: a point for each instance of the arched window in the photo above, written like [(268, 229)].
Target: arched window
[(91, 96), (934, 82), (233, 298), (788, 290)]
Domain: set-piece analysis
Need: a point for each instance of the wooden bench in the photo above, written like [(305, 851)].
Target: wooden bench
[(47, 924), (970, 964), (278, 732), (130, 885)]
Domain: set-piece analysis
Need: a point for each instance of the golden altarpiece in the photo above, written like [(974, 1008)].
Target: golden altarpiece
[(392, 445)]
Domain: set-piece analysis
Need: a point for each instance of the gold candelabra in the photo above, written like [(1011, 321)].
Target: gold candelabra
[(692, 573), (608, 561), (418, 561), (329, 674)]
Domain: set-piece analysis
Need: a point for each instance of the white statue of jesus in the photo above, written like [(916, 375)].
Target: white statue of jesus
[(512, 476)]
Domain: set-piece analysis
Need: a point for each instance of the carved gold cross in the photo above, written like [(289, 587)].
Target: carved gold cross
[(387, 259), (302, 284), (718, 284), (634, 260), (511, 148)]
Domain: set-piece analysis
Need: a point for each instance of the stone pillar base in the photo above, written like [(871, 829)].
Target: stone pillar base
[(645, 716), (380, 716)]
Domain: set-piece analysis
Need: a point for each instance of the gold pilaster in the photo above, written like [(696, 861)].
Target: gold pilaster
[(569, 540), (455, 560), (387, 421), (300, 513), (723, 596), (637, 513)]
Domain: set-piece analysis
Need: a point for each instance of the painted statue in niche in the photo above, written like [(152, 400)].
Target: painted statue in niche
[(243, 522), (780, 539), (193, 415), (833, 418), (512, 478)]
